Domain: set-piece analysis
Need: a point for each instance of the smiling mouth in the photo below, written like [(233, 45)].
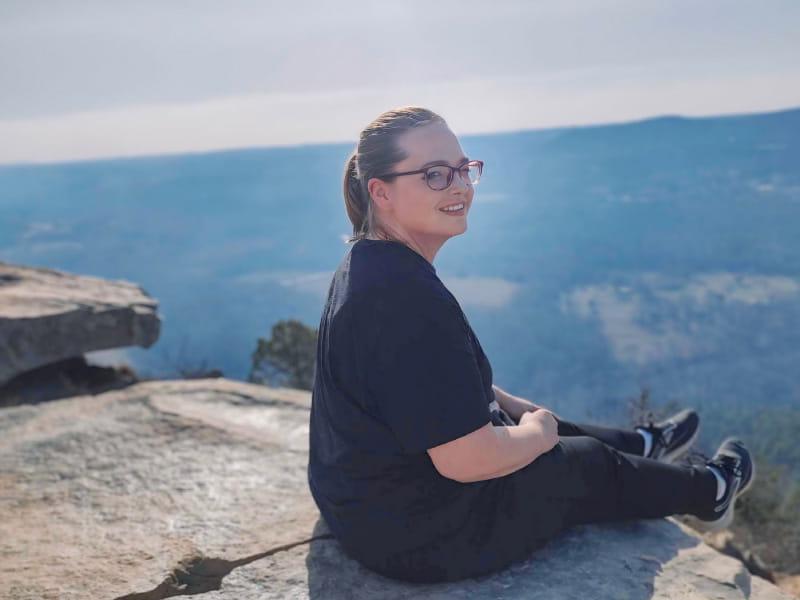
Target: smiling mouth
[(454, 210)]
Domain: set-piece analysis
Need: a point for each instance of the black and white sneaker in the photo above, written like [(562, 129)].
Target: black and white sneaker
[(739, 470), (672, 437)]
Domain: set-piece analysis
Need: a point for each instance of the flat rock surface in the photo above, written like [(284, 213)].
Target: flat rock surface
[(48, 315), (179, 487)]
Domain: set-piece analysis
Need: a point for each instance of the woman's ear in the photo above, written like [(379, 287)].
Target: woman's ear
[(378, 190)]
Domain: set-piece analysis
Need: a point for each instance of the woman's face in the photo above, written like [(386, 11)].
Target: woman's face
[(407, 207)]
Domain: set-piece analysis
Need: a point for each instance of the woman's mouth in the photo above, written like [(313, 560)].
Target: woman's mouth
[(454, 209)]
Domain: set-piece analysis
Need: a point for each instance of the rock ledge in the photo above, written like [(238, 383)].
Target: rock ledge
[(167, 488)]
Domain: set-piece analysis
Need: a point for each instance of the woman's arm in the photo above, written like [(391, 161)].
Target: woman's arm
[(514, 405), (490, 451)]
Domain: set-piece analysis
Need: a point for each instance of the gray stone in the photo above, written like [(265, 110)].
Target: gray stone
[(199, 487), (47, 315)]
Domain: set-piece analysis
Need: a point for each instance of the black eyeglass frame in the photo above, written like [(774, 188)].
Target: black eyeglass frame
[(450, 175)]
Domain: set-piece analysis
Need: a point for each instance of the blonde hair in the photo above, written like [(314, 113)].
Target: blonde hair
[(377, 152)]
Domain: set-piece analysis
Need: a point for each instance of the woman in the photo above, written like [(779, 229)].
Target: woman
[(422, 468)]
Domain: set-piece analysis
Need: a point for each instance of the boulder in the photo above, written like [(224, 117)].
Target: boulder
[(167, 488), (48, 315)]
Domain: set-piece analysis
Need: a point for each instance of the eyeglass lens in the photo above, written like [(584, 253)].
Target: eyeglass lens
[(440, 177)]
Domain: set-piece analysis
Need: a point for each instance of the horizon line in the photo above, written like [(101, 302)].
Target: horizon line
[(477, 133)]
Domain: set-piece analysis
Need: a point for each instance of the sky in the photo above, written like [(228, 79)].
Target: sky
[(98, 79)]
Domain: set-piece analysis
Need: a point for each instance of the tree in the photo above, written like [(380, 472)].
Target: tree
[(287, 359), (642, 409)]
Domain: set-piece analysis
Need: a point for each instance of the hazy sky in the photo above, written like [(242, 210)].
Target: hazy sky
[(88, 79)]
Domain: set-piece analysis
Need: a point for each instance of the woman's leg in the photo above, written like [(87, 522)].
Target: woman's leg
[(584, 480), (625, 440)]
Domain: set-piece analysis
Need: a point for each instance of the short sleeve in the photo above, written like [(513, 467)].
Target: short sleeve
[(424, 377)]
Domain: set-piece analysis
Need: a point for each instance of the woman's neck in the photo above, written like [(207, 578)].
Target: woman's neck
[(382, 237)]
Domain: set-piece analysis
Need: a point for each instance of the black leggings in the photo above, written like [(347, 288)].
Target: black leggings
[(597, 473)]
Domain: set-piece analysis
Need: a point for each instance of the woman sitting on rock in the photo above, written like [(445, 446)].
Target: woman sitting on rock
[(422, 468)]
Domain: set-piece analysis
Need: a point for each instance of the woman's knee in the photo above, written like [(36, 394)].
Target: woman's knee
[(593, 459)]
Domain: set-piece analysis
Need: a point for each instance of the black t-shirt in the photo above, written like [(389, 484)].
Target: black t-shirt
[(398, 370)]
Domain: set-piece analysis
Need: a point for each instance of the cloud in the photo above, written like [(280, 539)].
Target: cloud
[(39, 250), (481, 292), (40, 228), (309, 282), (638, 330), (730, 288)]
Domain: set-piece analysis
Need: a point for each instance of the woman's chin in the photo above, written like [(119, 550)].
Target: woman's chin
[(458, 228)]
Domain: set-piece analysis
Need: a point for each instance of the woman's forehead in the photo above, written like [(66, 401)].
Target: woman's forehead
[(429, 144)]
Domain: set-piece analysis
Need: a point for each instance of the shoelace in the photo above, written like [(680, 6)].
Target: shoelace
[(699, 458), (732, 463), (658, 433)]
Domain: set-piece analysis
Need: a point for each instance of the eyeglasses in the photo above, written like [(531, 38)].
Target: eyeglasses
[(439, 177)]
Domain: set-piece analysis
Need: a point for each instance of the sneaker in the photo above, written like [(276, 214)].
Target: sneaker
[(673, 436), (739, 470)]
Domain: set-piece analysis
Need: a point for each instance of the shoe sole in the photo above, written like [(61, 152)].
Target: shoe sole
[(680, 450), (727, 517)]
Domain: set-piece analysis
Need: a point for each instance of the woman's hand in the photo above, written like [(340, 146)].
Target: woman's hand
[(537, 407), (515, 406), (546, 422)]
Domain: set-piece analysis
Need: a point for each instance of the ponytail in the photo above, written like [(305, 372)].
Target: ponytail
[(356, 201)]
